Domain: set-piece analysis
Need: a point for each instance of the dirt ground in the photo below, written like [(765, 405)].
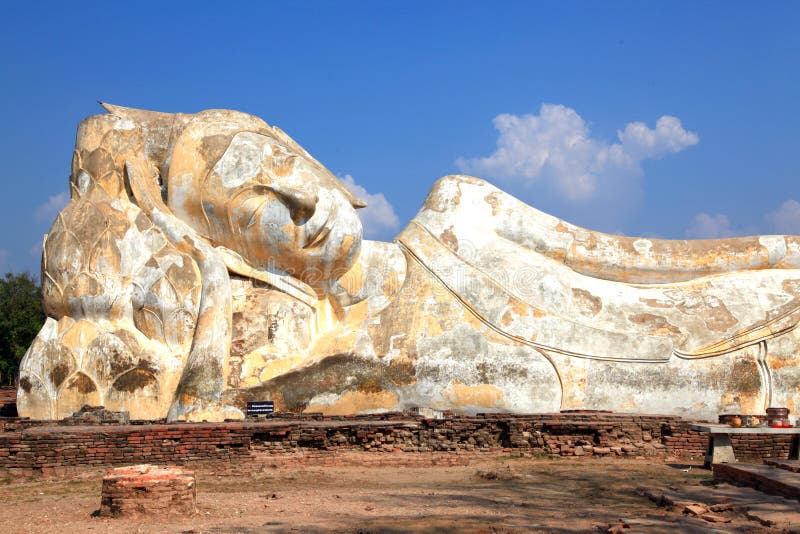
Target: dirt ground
[(489, 495)]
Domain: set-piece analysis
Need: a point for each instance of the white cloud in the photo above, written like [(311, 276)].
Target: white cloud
[(556, 146), (47, 212), (640, 142), (786, 219), (705, 226), (378, 216)]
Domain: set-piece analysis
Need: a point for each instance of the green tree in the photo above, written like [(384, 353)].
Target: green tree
[(21, 318)]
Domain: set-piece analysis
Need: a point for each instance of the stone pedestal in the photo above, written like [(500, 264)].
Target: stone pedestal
[(148, 490)]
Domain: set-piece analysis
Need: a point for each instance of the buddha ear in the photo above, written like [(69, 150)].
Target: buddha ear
[(291, 143), (356, 202)]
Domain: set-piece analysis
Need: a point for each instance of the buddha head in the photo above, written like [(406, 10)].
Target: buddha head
[(250, 188)]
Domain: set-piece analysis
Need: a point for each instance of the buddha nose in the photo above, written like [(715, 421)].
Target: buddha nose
[(301, 202)]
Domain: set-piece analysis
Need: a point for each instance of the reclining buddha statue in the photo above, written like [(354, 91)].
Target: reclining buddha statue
[(206, 260)]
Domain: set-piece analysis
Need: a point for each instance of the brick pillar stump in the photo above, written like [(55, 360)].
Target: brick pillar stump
[(148, 490)]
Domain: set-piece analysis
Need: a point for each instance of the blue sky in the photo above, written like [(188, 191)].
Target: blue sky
[(677, 119)]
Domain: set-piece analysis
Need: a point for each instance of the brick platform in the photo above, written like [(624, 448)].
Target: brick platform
[(41, 447), (788, 465), (148, 490), (766, 478)]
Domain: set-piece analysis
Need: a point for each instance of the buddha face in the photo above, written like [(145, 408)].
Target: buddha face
[(268, 200)]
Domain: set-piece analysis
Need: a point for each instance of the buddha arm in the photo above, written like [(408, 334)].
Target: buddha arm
[(654, 261), (471, 206)]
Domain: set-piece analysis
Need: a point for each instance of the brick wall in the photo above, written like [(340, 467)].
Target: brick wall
[(8, 401), (49, 448)]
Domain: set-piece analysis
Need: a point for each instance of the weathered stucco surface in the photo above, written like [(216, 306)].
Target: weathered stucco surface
[(206, 260)]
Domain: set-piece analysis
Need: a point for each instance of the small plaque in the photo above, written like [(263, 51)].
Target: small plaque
[(260, 408)]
